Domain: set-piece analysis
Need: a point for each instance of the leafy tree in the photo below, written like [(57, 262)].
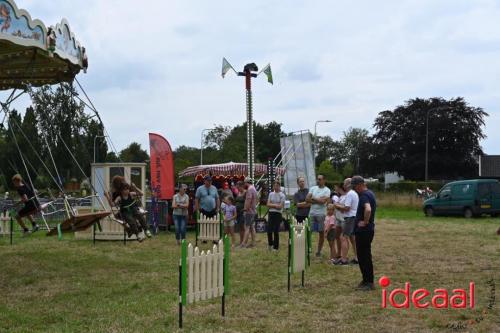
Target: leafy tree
[(216, 137), (111, 157), (134, 153), (326, 169), (455, 132)]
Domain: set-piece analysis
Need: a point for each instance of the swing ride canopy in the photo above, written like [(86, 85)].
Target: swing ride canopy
[(227, 169), (31, 53)]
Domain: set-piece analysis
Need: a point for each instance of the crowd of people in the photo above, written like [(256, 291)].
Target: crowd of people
[(344, 216)]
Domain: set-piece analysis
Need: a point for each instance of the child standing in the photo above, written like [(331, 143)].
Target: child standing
[(230, 215), (330, 230)]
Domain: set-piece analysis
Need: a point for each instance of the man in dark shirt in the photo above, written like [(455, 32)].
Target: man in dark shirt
[(31, 204), (364, 231), (299, 199)]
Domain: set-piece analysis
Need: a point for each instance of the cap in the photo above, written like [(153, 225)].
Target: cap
[(357, 180), (208, 178), (248, 180)]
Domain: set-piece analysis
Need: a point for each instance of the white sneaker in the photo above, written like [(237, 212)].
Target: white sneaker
[(148, 234)]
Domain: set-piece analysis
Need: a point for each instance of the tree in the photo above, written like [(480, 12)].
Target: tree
[(455, 132), (230, 144), (326, 169), (348, 150), (134, 153), (215, 138)]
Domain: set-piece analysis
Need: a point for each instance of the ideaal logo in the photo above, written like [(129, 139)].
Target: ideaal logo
[(422, 298)]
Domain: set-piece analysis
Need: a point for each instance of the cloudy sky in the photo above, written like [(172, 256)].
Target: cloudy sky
[(155, 65)]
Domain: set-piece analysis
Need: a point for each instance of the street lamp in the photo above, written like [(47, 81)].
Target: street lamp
[(201, 145), (95, 138), (316, 138)]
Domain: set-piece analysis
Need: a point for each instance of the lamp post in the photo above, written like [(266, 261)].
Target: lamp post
[(95, 138), (201, 144), (316, 138), (427, 145)]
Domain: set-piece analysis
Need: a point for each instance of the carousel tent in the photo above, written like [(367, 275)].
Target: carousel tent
[(31, 53), (226, 169)]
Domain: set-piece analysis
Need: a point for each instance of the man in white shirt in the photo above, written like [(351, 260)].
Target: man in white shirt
[(318, 197), (349, 208)]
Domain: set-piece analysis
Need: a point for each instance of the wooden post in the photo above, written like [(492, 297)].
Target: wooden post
[(197, 227)]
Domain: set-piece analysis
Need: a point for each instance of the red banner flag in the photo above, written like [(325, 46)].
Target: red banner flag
[(162, 167)]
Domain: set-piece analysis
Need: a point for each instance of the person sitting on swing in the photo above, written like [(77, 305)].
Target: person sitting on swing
[(129, 212), (116, 183), (31, 204)]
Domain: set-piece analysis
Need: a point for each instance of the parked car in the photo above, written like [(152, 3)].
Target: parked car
[(467, 198)]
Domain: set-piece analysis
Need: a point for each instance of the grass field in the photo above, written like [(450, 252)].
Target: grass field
[(71, 286)]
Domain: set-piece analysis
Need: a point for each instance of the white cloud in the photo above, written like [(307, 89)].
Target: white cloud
[(154, 65)]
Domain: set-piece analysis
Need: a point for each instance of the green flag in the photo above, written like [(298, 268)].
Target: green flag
[(269, 73), (226, 66)]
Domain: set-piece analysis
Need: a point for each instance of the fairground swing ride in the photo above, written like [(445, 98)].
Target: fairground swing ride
[(32, 55)]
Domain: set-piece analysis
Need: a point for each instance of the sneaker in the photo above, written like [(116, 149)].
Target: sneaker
[(35, 228), (366, 287), (354, 262), (140, 238), (148, 234), (318, 254), (275, 250), (341, 263)]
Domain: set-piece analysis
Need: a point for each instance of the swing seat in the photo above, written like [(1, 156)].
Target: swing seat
[(79, 223)]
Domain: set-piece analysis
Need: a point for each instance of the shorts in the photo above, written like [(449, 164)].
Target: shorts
[(229, 224), (27, 210), (318, 223), (348, 226), (239, 224), (331, 235), (249, 219)]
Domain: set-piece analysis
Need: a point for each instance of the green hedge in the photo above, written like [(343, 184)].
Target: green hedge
[(410, 187)]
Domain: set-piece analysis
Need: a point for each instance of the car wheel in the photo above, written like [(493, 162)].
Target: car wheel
[(429, 211), (468, 213)]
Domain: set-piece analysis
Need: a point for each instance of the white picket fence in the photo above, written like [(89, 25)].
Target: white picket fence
[(209, 228), (4, 223), (299, 249), (205, 273)]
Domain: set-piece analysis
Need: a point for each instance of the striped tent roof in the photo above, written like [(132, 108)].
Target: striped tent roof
[(227, 169)]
